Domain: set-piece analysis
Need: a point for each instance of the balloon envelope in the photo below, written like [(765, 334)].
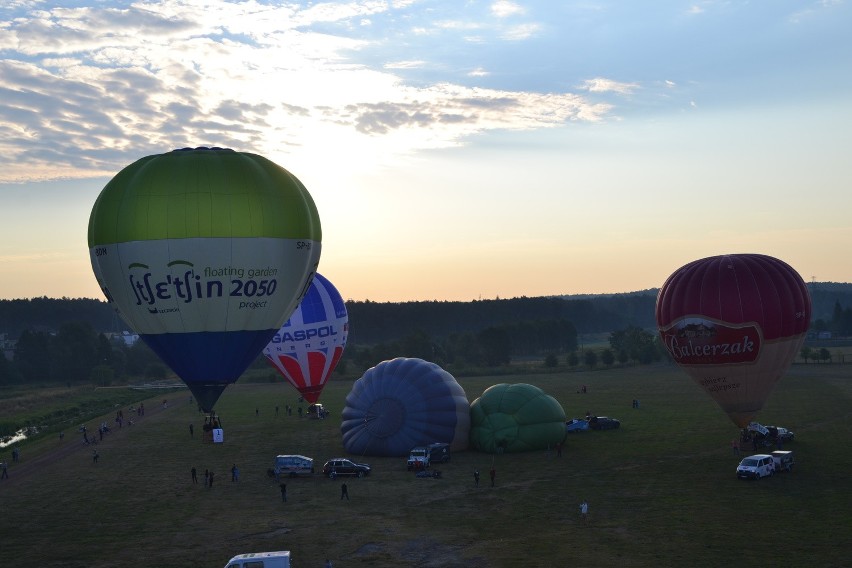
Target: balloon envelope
[(204, 253), (734, 323), (403, 403), (515, 418), (308, 346)]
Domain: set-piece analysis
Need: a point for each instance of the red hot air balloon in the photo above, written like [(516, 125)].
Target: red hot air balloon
[(734, 323), (308, 346)]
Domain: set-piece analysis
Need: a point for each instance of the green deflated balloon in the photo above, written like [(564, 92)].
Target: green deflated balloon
[(515, 418)]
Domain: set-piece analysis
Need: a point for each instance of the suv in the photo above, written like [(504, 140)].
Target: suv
[(756, 466), (343, 466), (779, 433)]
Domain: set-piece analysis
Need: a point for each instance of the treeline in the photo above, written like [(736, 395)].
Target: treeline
[(66, 340), (77, 354), (840, 322), (372, 322), (488, 347), (47, 314)]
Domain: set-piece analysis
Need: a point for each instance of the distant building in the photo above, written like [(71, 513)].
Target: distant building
[(126, 338)]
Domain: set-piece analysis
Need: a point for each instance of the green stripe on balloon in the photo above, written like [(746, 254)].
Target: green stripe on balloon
[(203, 192)]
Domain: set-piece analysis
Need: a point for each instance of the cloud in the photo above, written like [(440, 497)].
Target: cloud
[(404, 64), (520, 32), (505, 9), (86, 90), (601, 85)]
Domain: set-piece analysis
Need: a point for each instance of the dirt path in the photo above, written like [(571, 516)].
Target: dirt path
[(73, 442)]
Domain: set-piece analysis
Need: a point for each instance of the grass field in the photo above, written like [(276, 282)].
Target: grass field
[(662, 489)]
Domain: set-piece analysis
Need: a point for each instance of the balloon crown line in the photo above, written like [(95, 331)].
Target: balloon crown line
[(204, 148)]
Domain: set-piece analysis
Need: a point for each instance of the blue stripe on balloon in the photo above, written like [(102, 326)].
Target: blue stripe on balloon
[(209, 357), (312, 308)]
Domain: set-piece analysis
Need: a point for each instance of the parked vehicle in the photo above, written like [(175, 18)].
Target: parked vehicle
[(576, 425), (764, 436), (603, 423), (418, 458), (777, 432), (343, 466), (292, 466), (317, 411), (421, 457), (279, 559), (756, 466), (439, 452), (783, 460)]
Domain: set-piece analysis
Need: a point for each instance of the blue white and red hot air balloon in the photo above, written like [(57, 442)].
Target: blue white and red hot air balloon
[(309, 345)]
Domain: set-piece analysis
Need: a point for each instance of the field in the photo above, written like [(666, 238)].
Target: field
[(662, 489)]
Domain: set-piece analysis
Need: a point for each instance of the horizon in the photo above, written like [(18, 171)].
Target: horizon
[(809, 284)]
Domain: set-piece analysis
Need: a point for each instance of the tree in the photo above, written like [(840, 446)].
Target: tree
[(824, 354), (33, 355), (636, 342), (805, 353), (607, 357), (551, 361), (418, 344), (8, 372), (573, 360), (76, 351), (591, 359), (496, 346)]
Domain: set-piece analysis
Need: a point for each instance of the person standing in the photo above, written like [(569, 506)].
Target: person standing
[(194, 475), (493, 474), (233, 473), (206, 478), (735, 446), (344, 492), (5, 472), (476, 478), (95, 456), (584, 511), (211, 480), (283, 487), (191, 431)]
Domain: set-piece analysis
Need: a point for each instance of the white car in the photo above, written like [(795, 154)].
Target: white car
[(756, 466)]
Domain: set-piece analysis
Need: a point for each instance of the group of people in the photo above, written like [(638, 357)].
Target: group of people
[(208, 477)]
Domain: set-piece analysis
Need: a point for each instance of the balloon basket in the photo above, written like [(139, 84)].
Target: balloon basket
[(212, 429)]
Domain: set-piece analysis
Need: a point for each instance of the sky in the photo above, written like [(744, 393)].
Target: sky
[(456, 150)]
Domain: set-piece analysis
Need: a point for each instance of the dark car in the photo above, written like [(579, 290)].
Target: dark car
[(603, 423), (343, 466), (776, 432)]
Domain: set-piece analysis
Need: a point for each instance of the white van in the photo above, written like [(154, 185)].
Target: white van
[(292, 465), (279, 559), (756, 466)]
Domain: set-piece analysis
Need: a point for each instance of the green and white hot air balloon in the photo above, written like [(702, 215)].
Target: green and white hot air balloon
[(205, 252)]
